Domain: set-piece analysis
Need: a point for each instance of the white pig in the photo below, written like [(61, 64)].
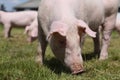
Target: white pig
[(12, 19), (63, 23), (32, 31)]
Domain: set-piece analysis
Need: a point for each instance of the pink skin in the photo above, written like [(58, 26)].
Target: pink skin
[(32, 31), (62, 24), (65, 35), (111, 9), (11, 19)]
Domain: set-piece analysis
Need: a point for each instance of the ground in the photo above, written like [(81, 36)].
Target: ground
[(17, 61)]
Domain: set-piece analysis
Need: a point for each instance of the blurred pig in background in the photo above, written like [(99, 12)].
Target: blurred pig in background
[(32, 31), (13, 19)]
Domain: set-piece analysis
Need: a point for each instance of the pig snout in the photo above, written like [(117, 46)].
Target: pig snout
[(76, 68), (74, 63)]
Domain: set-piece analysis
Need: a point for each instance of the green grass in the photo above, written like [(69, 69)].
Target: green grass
[(17, 61)]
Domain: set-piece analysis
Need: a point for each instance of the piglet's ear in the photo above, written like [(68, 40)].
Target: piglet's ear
[(26, 30), (81, 24), (59, 28), (34, 32)]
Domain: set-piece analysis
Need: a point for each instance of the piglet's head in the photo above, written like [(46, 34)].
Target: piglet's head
[(64, 42), (31, 33), (83, 27)]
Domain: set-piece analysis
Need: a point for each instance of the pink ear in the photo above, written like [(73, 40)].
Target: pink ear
[(26, 30), (82, 24), (34, 32), (58, 27)]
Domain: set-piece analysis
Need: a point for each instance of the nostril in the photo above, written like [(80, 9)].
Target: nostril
[(77, 68)]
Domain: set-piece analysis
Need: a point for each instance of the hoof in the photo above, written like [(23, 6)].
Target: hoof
[(103, 57)]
